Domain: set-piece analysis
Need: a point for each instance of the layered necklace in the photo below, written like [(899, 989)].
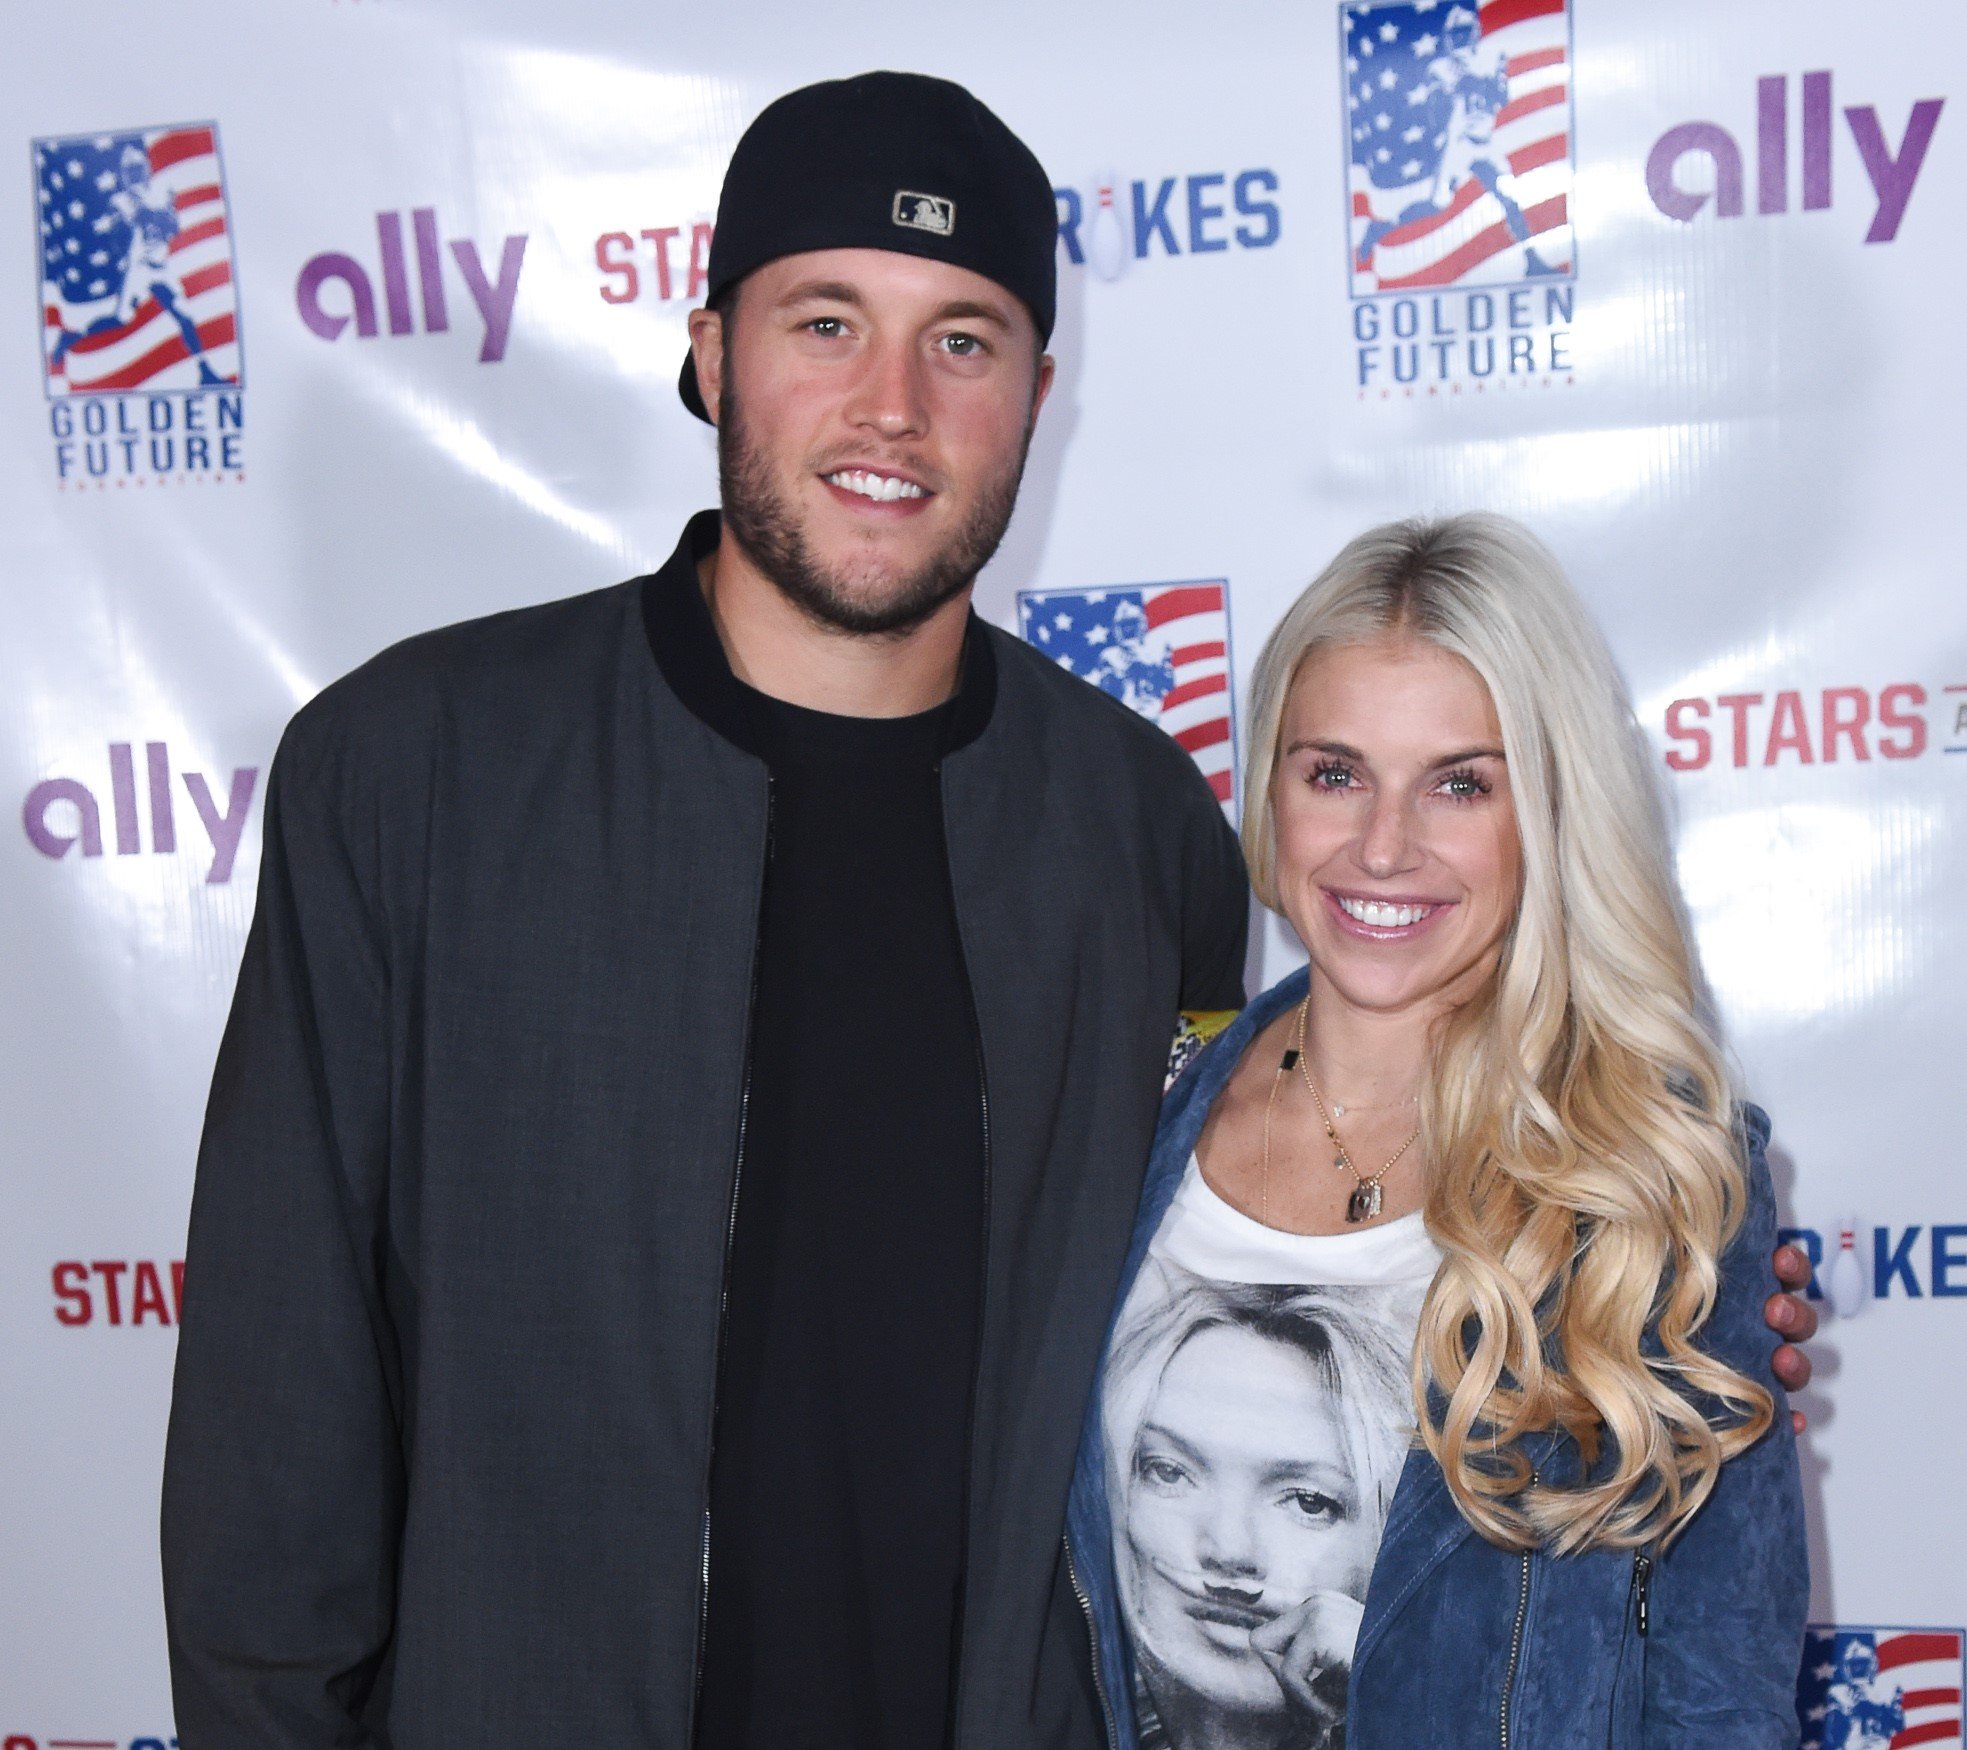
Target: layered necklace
[(1365, 1201)]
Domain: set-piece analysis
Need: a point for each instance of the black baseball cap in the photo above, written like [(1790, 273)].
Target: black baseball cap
[(886, 161)]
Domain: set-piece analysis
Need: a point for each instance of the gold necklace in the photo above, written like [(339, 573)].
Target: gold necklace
[(1339, 1110), (1365, 1201)]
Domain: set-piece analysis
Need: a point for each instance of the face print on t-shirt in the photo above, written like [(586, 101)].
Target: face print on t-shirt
[(1255, 1433)]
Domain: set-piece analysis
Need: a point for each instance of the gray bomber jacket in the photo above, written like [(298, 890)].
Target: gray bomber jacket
[(438, 1453)]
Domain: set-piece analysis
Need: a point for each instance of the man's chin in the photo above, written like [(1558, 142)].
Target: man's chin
[(871, 616), (872, 566), (886, 603), (867, 580)]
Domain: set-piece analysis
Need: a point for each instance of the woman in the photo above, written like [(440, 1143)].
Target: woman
[(1487, 1124)]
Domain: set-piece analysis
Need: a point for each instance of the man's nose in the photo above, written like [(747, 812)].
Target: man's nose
[(891, 395)]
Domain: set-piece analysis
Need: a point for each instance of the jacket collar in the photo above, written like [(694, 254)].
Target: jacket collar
[(683, 639)]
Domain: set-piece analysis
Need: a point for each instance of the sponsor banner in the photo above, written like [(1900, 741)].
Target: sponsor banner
[(1854, 1266), (136, 262), (1459, 124), (1161, 650), (1460, 180), (1111, 223), (64, 814), (1717, 169), (337, 291), (141, 350), (1862, 1688)]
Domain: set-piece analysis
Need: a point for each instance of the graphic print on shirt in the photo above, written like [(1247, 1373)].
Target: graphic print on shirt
[(1255, 1433)]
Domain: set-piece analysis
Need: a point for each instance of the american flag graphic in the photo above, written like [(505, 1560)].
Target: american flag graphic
[(137, 284), (1459, 117), (1879, 1688), (1161, 648)]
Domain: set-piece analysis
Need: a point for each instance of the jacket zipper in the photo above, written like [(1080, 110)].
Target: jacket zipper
[(724, 1283), (1515, 1646), (1642, 1581), (983, 1271), (1093, 1641), (1516, 1637)]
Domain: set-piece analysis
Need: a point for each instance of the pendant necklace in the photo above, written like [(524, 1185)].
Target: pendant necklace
[(1365, 1202)]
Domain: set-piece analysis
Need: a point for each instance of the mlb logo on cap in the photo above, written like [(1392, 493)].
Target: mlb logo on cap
[(925, 212)]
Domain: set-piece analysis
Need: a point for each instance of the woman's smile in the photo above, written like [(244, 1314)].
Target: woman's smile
[(1384, 917)]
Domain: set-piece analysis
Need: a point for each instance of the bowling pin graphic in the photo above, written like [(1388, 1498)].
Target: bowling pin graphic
[(1107, 243), (1844, 1281)]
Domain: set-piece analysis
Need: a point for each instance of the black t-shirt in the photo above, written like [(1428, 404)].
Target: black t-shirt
[(839, 1472)]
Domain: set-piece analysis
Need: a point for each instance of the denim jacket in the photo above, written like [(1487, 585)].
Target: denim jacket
[(1466, 1644)]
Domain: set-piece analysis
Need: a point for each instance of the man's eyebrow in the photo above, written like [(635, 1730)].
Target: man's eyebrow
[(969, 310), (840, 292), (821, 292)]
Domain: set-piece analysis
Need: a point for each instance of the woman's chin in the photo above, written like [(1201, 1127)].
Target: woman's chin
[(1369, 982), (1235, 1678)]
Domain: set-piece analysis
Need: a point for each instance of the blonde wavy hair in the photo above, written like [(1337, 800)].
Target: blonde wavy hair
[(1587, 1172)]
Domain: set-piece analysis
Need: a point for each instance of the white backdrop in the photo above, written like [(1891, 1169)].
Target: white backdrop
[(1735, 413)]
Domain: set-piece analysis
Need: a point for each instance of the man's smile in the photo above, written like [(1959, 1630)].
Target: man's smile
[(885, 492), (870, 484)]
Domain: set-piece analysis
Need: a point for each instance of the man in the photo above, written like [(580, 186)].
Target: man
[(685, 1100)]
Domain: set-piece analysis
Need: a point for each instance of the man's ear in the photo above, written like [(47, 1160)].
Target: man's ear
[(1047, 370), (707, 349)]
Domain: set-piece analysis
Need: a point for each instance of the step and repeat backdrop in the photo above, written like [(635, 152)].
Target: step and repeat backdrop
[(330, 322)]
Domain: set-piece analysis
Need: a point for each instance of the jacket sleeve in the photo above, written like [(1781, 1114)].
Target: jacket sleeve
[(283, 1475), (1729, 1598), (1215, 911)]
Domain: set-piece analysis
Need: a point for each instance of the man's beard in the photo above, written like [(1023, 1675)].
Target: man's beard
[(760, 520)]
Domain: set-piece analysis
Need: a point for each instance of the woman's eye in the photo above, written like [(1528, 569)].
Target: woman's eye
[(1162, 1473), (1464, 786), (1333, 777), (1313, 1506)]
